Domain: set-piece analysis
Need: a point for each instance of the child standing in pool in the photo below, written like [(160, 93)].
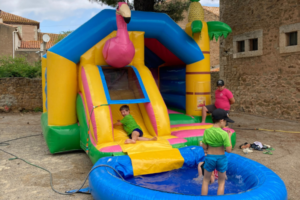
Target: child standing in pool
[(214, 141), (130, 126)]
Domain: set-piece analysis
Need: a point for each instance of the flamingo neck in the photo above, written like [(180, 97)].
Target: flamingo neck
[(122, 33)]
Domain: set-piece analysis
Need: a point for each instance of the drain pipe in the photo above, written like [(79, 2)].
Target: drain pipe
[(13, 34)]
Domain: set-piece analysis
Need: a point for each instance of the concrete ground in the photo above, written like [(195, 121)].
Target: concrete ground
[(22, 181)]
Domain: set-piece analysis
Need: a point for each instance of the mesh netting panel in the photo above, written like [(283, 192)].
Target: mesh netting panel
[(122, 83)]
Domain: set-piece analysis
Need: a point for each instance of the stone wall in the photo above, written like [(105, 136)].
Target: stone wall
[(21, 93), (31, 56), (29, 32), (214, 78), (6, 40), (268, 84)]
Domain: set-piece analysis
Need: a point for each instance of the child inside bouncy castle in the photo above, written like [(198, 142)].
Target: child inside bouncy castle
[(215, 141), (130, 126)]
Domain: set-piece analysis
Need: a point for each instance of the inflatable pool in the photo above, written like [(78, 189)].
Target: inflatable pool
[(247, 179)]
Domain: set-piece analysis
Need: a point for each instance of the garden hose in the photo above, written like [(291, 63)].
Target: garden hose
[(5, 143), (261, 129)]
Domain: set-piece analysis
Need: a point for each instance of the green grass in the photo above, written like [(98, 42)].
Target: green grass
[(19, 67), (38, 109)]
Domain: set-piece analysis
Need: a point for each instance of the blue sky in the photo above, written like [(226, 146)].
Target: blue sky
[(56, 16)]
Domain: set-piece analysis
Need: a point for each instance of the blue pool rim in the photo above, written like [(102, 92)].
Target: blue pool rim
[(105, 184)]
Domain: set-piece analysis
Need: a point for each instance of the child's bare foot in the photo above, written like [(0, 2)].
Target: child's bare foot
[(244, 146), (199, 179), (129, 141), (154, 139)]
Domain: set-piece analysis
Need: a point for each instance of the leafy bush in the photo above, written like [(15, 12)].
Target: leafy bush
[(61, 36), (19, 67), (38, 109)]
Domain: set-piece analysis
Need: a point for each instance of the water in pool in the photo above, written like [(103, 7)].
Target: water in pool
[(185, 181)]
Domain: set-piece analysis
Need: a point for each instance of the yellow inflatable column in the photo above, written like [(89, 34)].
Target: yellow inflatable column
[(61, 90), (198, 79), (44, 67)]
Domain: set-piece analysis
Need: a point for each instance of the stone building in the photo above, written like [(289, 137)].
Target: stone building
[(260, 59), (20, 36)]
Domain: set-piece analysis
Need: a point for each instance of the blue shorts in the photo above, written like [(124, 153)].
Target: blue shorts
[(138, 130), (218, 162)]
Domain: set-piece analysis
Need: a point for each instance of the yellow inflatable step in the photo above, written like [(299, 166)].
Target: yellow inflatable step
[(156, 161)]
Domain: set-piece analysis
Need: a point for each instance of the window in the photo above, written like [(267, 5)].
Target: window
[(253, 44), (289, 37), (292, 38), (248, 44), (241, 46)]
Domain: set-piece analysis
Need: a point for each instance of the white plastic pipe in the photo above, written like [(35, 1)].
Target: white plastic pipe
[(13, 34)]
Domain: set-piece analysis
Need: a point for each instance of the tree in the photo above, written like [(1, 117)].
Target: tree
[(61, 36), (174, 8)]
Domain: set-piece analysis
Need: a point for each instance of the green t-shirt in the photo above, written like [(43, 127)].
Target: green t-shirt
[(216, 137), (129, 124)]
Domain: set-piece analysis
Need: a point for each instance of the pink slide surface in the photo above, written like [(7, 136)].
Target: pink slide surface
[(189, 133), (196, 124), (194, 133), (173, 112)]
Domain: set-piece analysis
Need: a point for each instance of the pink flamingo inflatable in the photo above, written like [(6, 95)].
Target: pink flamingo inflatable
[(119, 51)]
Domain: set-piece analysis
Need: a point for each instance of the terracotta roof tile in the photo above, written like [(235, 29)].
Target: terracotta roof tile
[(8, 25), (37, 44), (215, 70), (53, 36), (34, 44), (15, 19)]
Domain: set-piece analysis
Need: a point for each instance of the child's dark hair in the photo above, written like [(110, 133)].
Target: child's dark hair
[(215, 120), (124, 107)]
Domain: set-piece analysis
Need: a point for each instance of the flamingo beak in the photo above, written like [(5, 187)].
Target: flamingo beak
[(125, 11), (127, 19)]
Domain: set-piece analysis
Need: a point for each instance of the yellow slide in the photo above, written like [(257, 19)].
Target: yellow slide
[(151, 113)]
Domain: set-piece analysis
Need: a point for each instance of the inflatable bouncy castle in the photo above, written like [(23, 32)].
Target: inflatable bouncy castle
[(144, 60), (161, 71)]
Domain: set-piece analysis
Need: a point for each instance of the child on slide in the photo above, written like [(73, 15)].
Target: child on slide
[(130, 126), (214, 141)]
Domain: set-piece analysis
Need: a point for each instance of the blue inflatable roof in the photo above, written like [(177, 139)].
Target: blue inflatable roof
[(155, 25)]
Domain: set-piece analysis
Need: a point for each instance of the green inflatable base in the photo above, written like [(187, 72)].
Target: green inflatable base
[(195, 141), (60, 138), (186, 119)]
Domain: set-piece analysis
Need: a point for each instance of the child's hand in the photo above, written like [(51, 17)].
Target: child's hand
[(119, 120), (229, 133), (117, 123)]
